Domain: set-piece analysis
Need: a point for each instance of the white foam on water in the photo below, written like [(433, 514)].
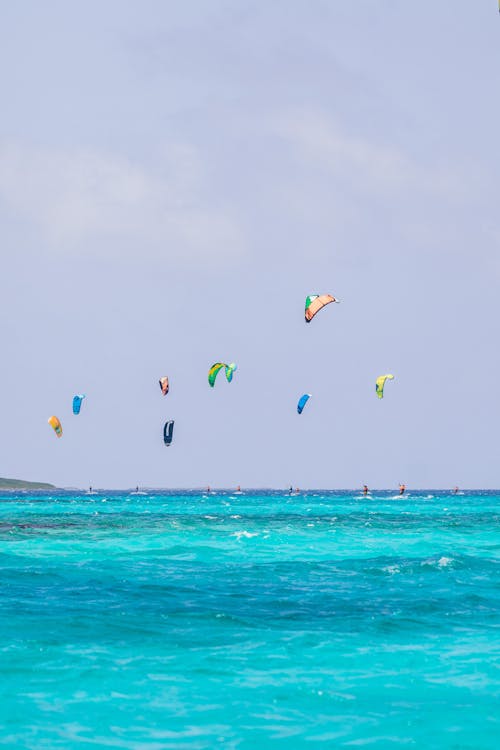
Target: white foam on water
[(392, 569), (443, 562), (245, 534)]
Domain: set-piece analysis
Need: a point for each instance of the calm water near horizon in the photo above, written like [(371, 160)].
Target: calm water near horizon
[(253, 620)]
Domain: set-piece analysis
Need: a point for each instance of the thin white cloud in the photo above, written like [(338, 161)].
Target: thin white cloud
[(84, 201), (318, 141), (346, 187)]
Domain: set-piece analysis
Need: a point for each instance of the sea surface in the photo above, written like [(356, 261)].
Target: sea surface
[(251, 621)]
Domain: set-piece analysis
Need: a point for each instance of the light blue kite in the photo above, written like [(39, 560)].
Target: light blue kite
[(302, 402), (77, 403)]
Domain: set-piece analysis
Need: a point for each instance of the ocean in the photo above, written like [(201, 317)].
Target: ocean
[(255, 620)]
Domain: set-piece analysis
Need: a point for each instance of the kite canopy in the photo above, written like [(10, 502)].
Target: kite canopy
[(55, 423), (164, 385), (230, 370), (380, 383), (216, 368), (302, 402), (77, 403), (168, 432), (315, 302)]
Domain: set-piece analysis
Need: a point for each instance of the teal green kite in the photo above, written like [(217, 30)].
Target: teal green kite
[(216, 368)]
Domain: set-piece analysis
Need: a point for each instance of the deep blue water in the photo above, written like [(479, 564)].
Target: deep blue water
[(181, 620)]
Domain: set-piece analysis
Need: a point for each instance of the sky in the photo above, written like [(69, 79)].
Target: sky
[(175, 178)]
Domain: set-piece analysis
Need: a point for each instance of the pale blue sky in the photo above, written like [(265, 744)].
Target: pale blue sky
[(175, 178)]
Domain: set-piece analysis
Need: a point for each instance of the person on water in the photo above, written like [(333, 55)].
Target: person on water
[(455, 490), (402, 489), (365, 489)]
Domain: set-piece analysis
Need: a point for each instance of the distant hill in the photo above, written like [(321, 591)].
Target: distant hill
[(20, 484)]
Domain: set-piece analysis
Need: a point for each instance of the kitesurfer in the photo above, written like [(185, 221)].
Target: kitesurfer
[(365, 489), (402, 489)]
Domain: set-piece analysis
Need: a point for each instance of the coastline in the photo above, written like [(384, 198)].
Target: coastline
[(21, 484)]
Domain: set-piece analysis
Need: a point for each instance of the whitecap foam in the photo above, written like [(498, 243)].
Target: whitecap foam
[(392, 569), (443, 562), (245, 534)]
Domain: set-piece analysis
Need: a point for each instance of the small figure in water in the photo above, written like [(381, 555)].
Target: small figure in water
[(365, 489), (137, 489), (402, 489), (208, 488), (290, 490), (238, 488), (455, 490)]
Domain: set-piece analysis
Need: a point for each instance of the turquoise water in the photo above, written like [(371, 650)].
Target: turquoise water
[(181, 620)]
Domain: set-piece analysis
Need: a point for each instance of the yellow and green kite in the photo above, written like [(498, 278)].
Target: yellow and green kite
[(380, 383)]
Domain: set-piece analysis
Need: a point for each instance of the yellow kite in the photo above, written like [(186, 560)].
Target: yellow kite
[(379, 384)]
